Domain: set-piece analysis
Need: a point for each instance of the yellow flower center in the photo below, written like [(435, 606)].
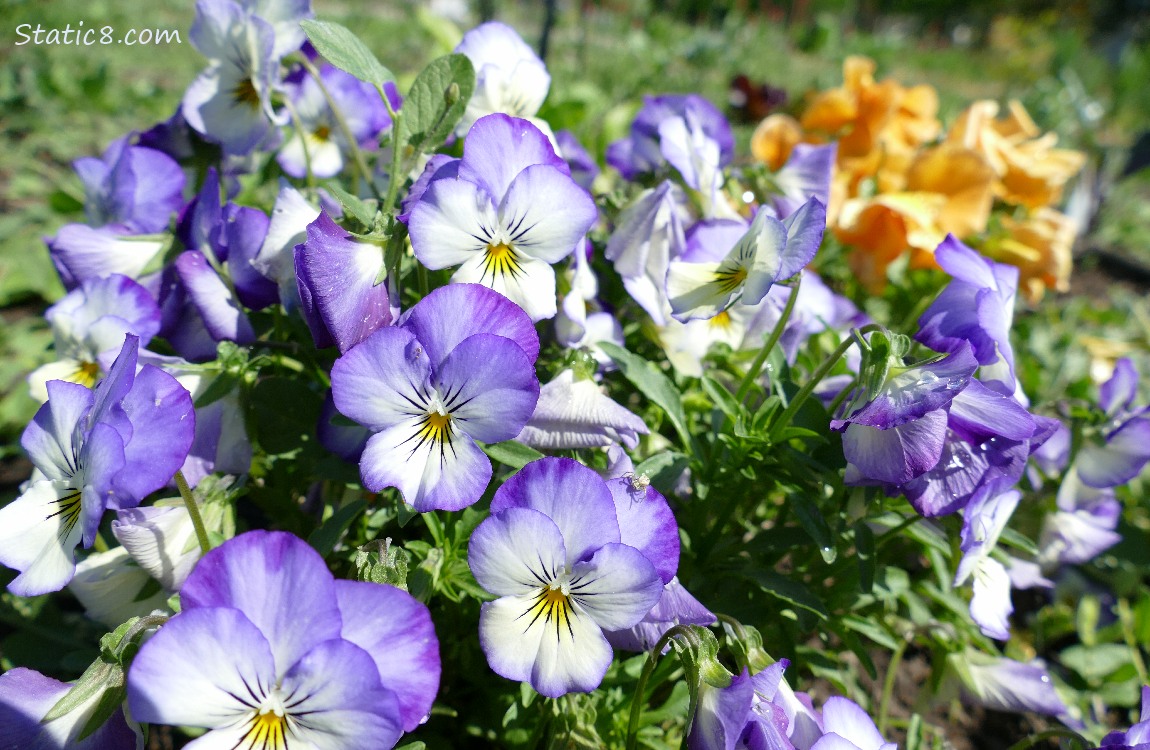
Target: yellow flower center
[(87, 374), (500, 259), (268, 731), (322, 133), (554, 605), (245, 93), (436, 427), (722, 320)]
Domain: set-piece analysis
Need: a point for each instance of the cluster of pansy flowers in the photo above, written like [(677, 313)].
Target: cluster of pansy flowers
[(576, 564), (901, 184)]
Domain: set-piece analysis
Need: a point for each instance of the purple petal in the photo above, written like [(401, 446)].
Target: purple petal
[(337, 282), (807, 174), (1126, 451), (163, 422), (1007, 685), (381, 381), (909, 395), (979, 413), (438, 167), (721, 715), (403, 643), (547, 212), (570, 494), (80, 252), (220, 312), (846, 719), (804, 235), (280, 583), (647, 524), (616, 587), (26, 696), (1117, 393), (48, 438), (676, 606), (499, 147), (244, 235), (489, 386), (440, 328), (899, 454)]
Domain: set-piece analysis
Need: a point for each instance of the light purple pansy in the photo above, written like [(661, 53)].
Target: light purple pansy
[(552, 551), (343, 300), (642, 151), (511, 212), (94, 449), (134, 188), (1117, 452), (576, 413), (26, 697), (983, 521), (769, 251), (1008, 685), (899, 434), (459, 367), (312, 661), (509, 77), (92, 320), (80, 253), (1082, 527), (976, 308), (806, 175)]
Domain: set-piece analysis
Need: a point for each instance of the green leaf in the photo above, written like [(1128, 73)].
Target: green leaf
[(721, 397), (220, 386), (103, 681), (380, 561), (653, 384), (436, 102), (512, 453), (814, 524), (864, 545), (363, 212), (789, 591), (345, 51), (664, 469), (1095, 663), (324, 538)]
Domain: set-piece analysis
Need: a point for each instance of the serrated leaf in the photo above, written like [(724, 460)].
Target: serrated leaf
[(436, 102), (345, 51), (512, 453), (324, 538), (652, 383)]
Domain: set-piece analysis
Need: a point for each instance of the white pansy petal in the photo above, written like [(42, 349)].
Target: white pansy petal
[(113, 588), (990, 607), (382, 380), (452, 223), (696, 291), (509, 643), (161, 540), (39, 532), (573, 654), (527, 282)]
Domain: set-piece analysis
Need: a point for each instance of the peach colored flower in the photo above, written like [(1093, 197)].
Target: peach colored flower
[(1040, 245)]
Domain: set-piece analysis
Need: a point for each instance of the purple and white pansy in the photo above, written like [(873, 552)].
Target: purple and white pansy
[(290, 627), (432, 385), (569, 559), (509, 212)]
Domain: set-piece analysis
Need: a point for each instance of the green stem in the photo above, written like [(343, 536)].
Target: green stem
[(765, 351), (194, 513), (1050, 734), (888, 686), (341, 121), (396, 153), (295, 118), (785, 418), (637, 699), (1127, 618)]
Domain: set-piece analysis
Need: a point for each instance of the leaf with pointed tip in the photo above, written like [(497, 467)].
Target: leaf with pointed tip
[(345, 51)]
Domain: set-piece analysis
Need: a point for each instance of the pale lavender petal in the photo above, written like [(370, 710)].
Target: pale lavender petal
[(1126, 451), (26, 696), (1117, 393), (383, 380), (546, 213), (499, 147), (260, 573), (438, 167), (990, 607), (402, 643), (182, 676), (982, 523), (647, 524), (440, 328), (909, 395), (846, 719), (979, 413), (806, 174), (489, 387), (804, 235), (578, 414), (337, 283), (573, 496), (453, 221), (515, 551), (340, 713), (676, 606), (616, 587), (1007, 685), (80, 252), (50, 438)]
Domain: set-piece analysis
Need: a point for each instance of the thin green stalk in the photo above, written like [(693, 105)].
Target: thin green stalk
[(310, 176), (888, 686), (194, 513), (1126, 616), (341, 121), (785, 418), (765, 351), (637, 699), (396, 153)]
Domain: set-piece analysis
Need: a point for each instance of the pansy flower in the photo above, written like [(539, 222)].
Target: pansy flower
[(26, 697), (458, 368), (553, 552), (511, 211), (93, 449), (132, 187), (311, 661), (509, 77)]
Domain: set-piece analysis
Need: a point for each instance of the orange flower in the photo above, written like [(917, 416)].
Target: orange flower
[(774, 139), (964, 177), (882, 228), (1040, 246)]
